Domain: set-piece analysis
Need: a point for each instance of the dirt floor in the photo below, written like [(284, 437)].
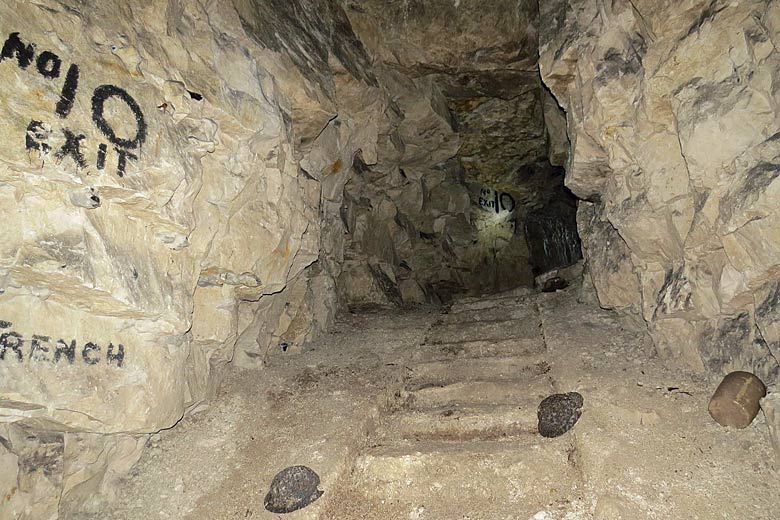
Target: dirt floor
[(431, 414)]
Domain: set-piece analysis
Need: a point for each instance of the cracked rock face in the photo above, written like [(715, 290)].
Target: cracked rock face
[(154, 201), (185, 184), (674, 142), (159, 221), (460, 169)]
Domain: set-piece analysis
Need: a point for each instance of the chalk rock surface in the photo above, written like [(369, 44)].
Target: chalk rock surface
[(162, 180), (184, 184), (460, 168), (674, 122)]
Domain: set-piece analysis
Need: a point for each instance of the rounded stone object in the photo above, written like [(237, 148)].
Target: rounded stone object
[(737, 399), (558, 413), (555, 284), (292, 489)]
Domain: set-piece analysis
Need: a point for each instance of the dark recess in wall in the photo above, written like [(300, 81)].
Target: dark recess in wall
[(551, 233)]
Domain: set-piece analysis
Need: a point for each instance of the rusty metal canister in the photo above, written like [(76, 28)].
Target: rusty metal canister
[(737, 400)]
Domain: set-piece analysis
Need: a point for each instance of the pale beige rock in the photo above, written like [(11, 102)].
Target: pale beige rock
[(770, 405), (400, 214), (609, 262), (672, 140), (32, 473), (213, 200), (207, 248), (95, 466), (480, 72), (411, 292), (555, 128)]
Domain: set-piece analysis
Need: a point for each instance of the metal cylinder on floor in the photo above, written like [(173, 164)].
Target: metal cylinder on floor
[(736, 401)]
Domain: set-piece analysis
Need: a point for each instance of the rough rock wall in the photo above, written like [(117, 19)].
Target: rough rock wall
[(469, 124), (483, 58), (405, 212), (158, 223), (673, 120)]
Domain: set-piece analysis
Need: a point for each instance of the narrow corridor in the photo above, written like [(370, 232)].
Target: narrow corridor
[(432, 414)]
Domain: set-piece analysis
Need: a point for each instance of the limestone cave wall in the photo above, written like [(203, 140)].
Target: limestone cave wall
[(190, 184), (672, 111), (443, 210), (168, 177)]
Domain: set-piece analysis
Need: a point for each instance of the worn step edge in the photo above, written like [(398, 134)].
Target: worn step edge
[(496, 297), (477, 393), (480, 480), (476, 369), (523, 448), (501, 313), (463, 423), (483, 331), (440, 323), (476, 349)]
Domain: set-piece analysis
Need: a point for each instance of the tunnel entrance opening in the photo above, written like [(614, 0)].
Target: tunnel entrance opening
[(551, 233), (467, 195)]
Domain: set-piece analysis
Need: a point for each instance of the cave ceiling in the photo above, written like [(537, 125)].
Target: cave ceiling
[(483, 57)]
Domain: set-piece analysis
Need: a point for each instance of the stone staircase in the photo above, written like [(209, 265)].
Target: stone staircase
[(423, 415), (460, 441)]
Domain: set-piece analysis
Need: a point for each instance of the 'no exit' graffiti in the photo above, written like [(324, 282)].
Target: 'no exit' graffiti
[(40, 135), (491, 200)]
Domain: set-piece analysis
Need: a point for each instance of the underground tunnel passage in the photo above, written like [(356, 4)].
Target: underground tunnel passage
[(389, 259)]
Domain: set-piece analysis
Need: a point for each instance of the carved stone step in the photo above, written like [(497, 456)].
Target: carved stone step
[(462, 423), (479, 369), (479, 393), (485, 331), (502, 312), (478, 349), (477, 480), (472, 304)]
